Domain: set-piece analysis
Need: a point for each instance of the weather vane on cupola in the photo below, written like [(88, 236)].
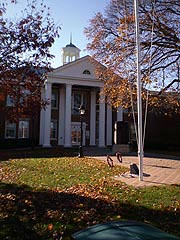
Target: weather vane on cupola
[(71, 38), (70, 52)]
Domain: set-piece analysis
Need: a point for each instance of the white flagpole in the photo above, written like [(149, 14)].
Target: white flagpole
[(139, 101)]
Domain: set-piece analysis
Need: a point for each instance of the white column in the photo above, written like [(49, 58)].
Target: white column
[(119, 119), (61, 116), (101, 122), (109, 126), (47, 115), (93, 119), (120, 114), (67, 142), (41, 133)]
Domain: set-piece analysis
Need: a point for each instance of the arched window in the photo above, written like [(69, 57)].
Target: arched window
[(86, 72)]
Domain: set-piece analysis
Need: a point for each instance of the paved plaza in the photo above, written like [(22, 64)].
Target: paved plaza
[(156, 170)]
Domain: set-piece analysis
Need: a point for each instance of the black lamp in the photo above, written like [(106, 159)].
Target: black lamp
[(82, 112)]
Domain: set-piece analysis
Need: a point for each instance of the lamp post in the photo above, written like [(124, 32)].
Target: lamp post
[(82, 112)]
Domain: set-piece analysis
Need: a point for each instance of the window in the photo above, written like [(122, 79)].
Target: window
[(54, 129), (26, 92), (78, 99), (10, 130), (23, 130), (76, 133), (86, 72), (9, 101), (54, 99), (132, 132)]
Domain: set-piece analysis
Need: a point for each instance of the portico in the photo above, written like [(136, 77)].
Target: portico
[(72, 91)]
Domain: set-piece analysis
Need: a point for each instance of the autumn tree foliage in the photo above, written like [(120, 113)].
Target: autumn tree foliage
[(25, 56), (111, 38)]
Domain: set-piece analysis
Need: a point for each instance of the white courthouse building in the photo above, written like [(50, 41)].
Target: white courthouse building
[(67, 87)]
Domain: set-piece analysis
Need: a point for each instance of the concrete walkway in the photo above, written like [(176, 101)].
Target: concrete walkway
[(156, 170)]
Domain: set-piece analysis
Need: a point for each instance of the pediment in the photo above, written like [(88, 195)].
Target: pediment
[(82, 68)]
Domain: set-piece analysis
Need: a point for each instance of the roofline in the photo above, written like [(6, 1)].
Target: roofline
[(71, 63), (77, 61)]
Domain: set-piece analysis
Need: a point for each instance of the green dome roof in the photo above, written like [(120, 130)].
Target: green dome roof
[(71, 45)]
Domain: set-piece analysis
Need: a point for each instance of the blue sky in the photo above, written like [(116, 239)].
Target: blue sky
[(72, 16)]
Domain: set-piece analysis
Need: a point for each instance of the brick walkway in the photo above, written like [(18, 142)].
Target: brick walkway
[(156, 171)]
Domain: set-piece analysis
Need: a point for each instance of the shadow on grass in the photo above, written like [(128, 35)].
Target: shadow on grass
[(26, 214), (72, 152), (37, 153)]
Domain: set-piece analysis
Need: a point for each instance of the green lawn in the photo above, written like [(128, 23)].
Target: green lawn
[(47, 194)]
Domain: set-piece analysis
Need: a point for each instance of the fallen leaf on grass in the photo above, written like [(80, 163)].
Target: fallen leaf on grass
[(50, 227)]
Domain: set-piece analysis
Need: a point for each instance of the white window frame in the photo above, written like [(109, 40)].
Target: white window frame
[(12, 127), (86, 71), (54, 98), (75, 106), (76, 132), (54, 128), (23, 128), (9, 101)]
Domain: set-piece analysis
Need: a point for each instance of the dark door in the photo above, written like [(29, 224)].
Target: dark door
[(122, 132)]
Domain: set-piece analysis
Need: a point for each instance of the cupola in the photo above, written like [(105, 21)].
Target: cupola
[(70, 52)]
